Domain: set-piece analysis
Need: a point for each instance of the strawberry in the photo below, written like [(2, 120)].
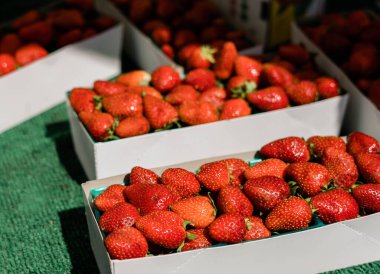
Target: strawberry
[(27, 18), (161, 35), (132, 126), (266, 192), (165, 78), (307, 74), (145, 90), (163, 228), (151, 24), (304, 92), (82, 99), (202, 239), (236, 168), (327, 87), (126, 243), (341, 167), (9, 43), (240, 86), (268, 167), (224, 64), (118, 216), (140, 175), (198, 210), (69, 37), (277, 76), (363, 63), (358, 20), (270, 98), (158, 112), (201, 79), (99, 124), (369, 167), (214, 176), (106, 88), (289, 149), (68, 19), (335, 205), (168, 51), (256, 229), (317, 144), (185, 52), (184, 37), (183, 181), (232, 200), (103, 22), (291, 214), (294, 53), (140, 11), (181, 93), (214, 95), (310, 177), (123, 105), (228, 228), (134, 78), (359, 142), (88, 33), (29, 53), (110, 197), (201, 57), (7, 64), (284, 64), (235, 108), (248, 67), (39, 32), (197, 112), (167, 8), (368, 197)]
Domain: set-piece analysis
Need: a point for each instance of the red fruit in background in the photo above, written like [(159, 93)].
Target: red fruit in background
[(185, 52), (368, 197), (211, 33), (197, 112), (27, 18), (68, 19), (123, 105), (126, 243), (118, 216), (294, 53), (167, 8), (214, 95), (266, 192), (110, 197), (284, 64), (145, 90), (277, 76), (335, 205), (184, 37), (232, 200), (214, 176), (82, 99), (201, 79), (363, 85), (39, 32), (228, 228), (327, 87), (369, 167), (134, 78), (140, 175), (256, 229), (29, 53), (181, 93), (165, 78), (357, 20), (183, 181), (140, 10), (304, 92), (289, 149), (7, 64), (290, 214), (161, 35), (374, 93), (317, 144), (240, 86), (270, 98), (268, 167), (132, 126), (236, 168), (158, 112), (151, 24), (225, 62), (234, 108), (359, 142), (163, 228), (168, 51), (306, 74), (334, 44), (363, 63), (103, 22), (10, 43), (69, 37), (248, 67), (201, 57), (106, 88), (202, 239), (341, 167), (99, 124)]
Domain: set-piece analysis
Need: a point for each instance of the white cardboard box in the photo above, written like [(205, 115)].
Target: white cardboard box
[(320, 249), (362, 114), (44, 83)]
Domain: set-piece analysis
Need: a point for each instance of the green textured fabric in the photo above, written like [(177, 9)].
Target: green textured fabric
[(42, 222)]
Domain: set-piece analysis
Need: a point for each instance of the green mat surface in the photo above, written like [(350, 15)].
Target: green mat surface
[(42, 222)]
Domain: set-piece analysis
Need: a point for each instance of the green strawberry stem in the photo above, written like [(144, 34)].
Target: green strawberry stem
[(98, 102), (212, 203), (243, 90), (208, 52), (186, 223), (293, 187), (248, 224), (179, 249), (191, 236)]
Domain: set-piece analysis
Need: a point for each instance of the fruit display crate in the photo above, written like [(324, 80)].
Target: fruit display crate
[(42, 84), (356, 241)]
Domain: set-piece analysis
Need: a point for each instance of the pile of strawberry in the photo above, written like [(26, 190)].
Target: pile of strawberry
[(229, 87), (353, 41), (228, 201), (35, 33), (172, 25)]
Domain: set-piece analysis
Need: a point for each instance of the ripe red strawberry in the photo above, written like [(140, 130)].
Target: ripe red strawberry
[(369, 167), (228, 228), (368, 197), (214, 176), (201, 57), (198, 210), (162, 35), (235, 108), (25, 19), (341, 167), (134, 78), (69, 37), (29, 53), (168, 51), (289, 149), (317, 144), (82, 99), (201, 79), (240, 86), (202, 239), (132, 126), (304, 92), (123, 105), (214, 95), (7, 64), (183, 181), (102, 22), (185, 52), (110, 197), (151, 24), (335, 205), (106, 88), (225, 62), (145, 90), (140, 11), (99, 124), (232, 200), (126, 243), (68, 19), (277, 75), (236, 168), (290, 214), (38, 32), (140, 175), (294, 53), (310, 177), (327, 87), (359, 142), (284, 64), (184, 37), (181, 93), (163, 228), (270, 98), (363, 63), (268, 167), (248, 67), (118, 216), (256, 229), (266, 192), (197, 112), (9, 43), (158, 112), (165, 78)]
